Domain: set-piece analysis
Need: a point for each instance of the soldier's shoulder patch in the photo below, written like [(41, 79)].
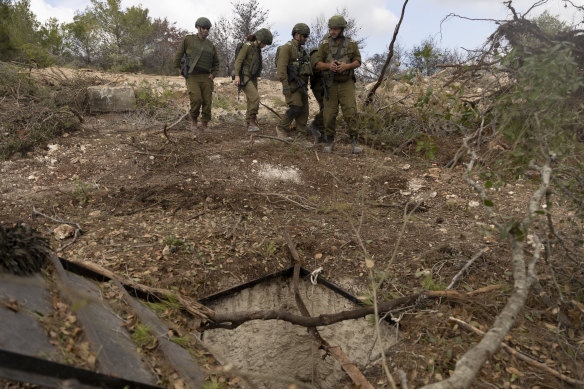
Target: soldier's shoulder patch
[(351, 40), (248, 43), (324, 41)]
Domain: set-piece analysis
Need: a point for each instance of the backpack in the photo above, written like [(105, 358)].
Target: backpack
[(255, 67)]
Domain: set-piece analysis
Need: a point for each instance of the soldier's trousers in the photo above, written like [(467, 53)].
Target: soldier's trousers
[(200, 88), (298, 99), (340, 94), (319, 96), (253, 98)]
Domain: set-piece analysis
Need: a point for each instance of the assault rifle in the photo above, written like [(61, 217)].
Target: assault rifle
[(184, 65), (293, 75)]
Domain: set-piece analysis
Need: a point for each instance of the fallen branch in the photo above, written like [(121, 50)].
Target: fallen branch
[(521, 356), (271, 109), (349, 367), (465, 267), (371, 93), (78, 228), (193, 307), (273, 138), (168, 127)]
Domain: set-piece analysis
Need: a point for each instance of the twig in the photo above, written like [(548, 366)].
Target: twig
[(231, 233), (156, 155), (273, 138), (271, 109), (356, 376), (521, 356), (465, 267), (193, 307), (403, 377), (371, 93), (166, 127), (78, 228)]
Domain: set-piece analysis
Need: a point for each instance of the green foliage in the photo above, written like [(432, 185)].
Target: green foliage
[(426, 143), (213, 383), (543, 118), (81, 192), (179, 244), (142, 335), (429, 284), (269, 249), (156, 99)]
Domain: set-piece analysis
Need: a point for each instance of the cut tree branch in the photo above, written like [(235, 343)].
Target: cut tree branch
[(371, 93)]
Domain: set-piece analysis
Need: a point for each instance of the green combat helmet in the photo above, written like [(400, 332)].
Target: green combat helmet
[(337, 21), (264, 35), (203, 22), (301, 28)]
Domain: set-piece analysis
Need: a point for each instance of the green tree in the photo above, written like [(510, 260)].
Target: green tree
[(7, 47), (83, 39), (319, 28), (52, 36), (426, 57), (247, 16), (162, 43)]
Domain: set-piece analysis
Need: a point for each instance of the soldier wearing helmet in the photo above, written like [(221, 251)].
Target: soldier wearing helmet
[(203, 65), (337, 58), (248, 67), (294, 70)]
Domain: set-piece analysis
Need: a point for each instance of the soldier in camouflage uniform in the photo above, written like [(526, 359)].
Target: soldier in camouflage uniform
[(203, 67), (317, 86), (293, 69), (337, 57), (248, 67)]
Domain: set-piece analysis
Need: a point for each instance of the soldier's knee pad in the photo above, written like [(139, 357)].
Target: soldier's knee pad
[(294, 111)]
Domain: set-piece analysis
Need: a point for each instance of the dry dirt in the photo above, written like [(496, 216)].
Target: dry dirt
[(206, 211)]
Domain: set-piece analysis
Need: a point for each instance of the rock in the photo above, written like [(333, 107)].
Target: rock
[(64, 231), (111, 98)]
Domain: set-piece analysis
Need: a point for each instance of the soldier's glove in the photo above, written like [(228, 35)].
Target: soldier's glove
[(286, 91)]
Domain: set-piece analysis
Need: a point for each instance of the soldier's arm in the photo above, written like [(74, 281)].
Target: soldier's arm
[(215, 68), (282, 65), (178, 55), (241, 58)]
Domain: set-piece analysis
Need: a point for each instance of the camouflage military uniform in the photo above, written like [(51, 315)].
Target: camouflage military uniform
[(341, 87), (316, 84), (291, 55), (249, 54), (203, 62)]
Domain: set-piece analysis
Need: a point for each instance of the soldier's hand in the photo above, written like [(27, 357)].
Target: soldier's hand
[(286, 91), (236, 80)]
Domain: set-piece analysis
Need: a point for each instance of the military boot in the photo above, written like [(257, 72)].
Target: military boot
[(194, 124), (253, 124), (355, 148), (314, 129), (204, 126), (329, 144), (282, 134)]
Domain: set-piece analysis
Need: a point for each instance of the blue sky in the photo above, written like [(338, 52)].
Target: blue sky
[(377, 18)]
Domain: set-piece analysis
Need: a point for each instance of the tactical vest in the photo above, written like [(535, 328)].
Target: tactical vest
[(200, 53), (205, 62), (300, 61), (342, 57), (253, 64)]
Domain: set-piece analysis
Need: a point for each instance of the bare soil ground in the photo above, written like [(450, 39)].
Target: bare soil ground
[(206, 211)]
